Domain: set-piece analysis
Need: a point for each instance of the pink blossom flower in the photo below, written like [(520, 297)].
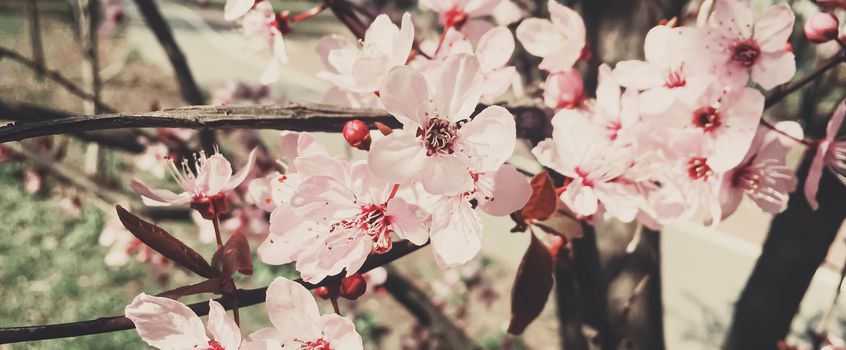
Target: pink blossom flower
[(151, 159), (830, 153), (249, 221), (563, 89), (664, 77), (455, 13), (507, 12), (762, 176), (738, 47), (435, 144), (334, 221), (361, 68), (297, 323), (580, 150), (260, 25), (727, 118), (212, 179), (559, 41), (167, 324)]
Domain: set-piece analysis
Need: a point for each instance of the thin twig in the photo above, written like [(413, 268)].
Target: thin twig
[(56, 77), (246, 297)]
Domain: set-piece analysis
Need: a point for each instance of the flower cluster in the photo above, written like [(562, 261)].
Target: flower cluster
[(167, 324), (665, 137)]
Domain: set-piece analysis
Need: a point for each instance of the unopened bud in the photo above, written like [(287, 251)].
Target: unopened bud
[(821, 27), (357, 134), (322, 292), (564, 89), (353, 286)]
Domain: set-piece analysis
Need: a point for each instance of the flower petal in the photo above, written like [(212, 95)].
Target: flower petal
[(408, 221), (397, 157), (166, 324), (404, 93), (446, 174), (292, 310), (457, 87), (539, 36), (158, 197), (489, 138), (495, 48), (773, 28), (773, 69), (340, 332), (234, 9), (456, 232), (511, 191), (222, 328)]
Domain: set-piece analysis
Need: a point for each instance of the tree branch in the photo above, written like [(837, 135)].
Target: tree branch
[(187, 86), (782, 91), (56, 77), (246, 297), (290, 116), (418, 304)]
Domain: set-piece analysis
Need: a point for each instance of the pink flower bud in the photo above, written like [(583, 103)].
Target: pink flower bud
[(353, 286), (564, 89), (821, 27), (357, 134)]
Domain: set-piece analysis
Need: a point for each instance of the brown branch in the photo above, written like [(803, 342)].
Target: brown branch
[(417, 302), (246, 297), (187, 86), (126, 140), (291, 116), (35, 38), (56, 77)]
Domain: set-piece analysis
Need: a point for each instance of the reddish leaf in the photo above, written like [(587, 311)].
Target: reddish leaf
[(236, 256), (531, 286), (212, 285), (161, 241), (384, 129), (543, 201)]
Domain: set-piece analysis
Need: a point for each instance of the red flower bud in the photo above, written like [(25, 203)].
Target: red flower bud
[(821, 27), (353, 286), (357, 134), (322, 292)]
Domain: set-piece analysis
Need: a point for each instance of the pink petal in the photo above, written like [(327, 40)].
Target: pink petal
[(408, 221), (234, 9), (657, 43), (166, 323), (241, 175), (446, 174), (292, 310), (498, 81), (733, 18), (812, 182), (403, 42), (265, 344), (773, 28), (329, 44), (639, 75), (299, 144), (213, 177), (404, 93), (290, 235), (730, 196), (158, 197), (495, 48), (539, 36), (397, 157), (582, 199), (479, 8), (340, 332), (325, 197), (456, 232), (620, 200), (773, 69), (457, 87), (567, 21), (835, 122), (340, 250), (489, 138), (510, 193), (381, 34), (222, 328)]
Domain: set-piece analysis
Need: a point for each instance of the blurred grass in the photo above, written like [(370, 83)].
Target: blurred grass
[(51, 268)]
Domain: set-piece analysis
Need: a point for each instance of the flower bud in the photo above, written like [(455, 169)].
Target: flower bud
[(821, 27), (564, 89), (322, 292), (357, 134), (353, 286)]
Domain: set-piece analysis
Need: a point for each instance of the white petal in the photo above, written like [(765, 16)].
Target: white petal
[(398, 157), (510, 193), (166, 324), (292, 310), (222, 328), (489, 138), (408, 221), (404, 93), (456, 232)]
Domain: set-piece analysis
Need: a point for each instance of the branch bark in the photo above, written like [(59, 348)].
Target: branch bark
[(291, 116), (796, 245), (245, 297), (56, 77), (417, 303)]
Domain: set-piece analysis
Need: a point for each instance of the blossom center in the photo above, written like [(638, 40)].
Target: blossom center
[(584, 176), (707, 118), (675, 79), (372, 222), (747, 179), (319, 344), (438, 136), (745, 52), (698, 169), (454, 17), (214, 345)]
